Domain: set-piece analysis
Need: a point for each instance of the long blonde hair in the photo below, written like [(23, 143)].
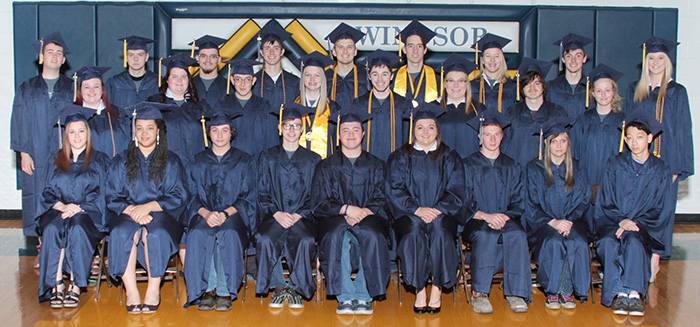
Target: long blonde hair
[(323, 98), (569, 182), (641, 92), (469, 106), (501, 74), (615, 105)]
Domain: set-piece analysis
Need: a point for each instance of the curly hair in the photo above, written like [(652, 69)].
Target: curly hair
[(159, 163)]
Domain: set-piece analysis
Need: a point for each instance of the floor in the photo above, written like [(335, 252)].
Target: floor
[(672, 301)]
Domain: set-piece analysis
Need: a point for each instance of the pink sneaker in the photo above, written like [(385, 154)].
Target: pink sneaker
[(36, 261), (566, 301)]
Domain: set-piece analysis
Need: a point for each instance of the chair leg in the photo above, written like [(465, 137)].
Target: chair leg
[(463, 269), (100, 271), (400, 278), (177, 278), (245, 275)]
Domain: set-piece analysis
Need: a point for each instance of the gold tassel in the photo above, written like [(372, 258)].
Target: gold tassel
[(337, 132), (41, 51), (204, 131), (476, 55), (539, 145), (410, 131), (588, 88), (160, 68), (124, 53), (228, 80), (400, 45), (517, 87), (622, 137), (442, 81), (75, 86), (644, 55), (192, 52), (281, 109)]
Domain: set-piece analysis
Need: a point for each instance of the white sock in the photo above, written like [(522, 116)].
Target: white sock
[(634, 296), (621, 295)]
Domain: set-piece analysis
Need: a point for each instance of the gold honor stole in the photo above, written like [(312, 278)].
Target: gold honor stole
[(318, 134), (403, 80), (335, 80)]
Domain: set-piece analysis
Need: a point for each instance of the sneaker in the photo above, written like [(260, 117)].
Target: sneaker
[(621, 305), (294, 299), (208, 301), (481, 303), (363, 308), (566, 301), (635, 307), (223, 303), (37, 261), (277, 299), (345, 308), (516, 304), (552, 302)]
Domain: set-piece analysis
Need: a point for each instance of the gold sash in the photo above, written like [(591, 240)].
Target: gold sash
[(403, 80), (318, 135)]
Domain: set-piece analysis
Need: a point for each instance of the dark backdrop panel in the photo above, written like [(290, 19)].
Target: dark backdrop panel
[(116, 21), (25, 32), (555, 23), (76, 22)]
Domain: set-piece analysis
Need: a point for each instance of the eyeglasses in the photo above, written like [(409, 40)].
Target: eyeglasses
[(287, 127), (242, 79), (455, 81), (210, 57)]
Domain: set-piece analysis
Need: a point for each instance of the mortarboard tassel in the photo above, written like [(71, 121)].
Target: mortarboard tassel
[(204, 131), (644, 55), (192, 52), (124, 53), (160, 64), (60, 140), (517, 87), (539, 145), (133, 129), (337, 132), (330, 53), (622, 137), (588, 88), (400, 45), (259, 39), (75, 86), (476, 54), (481, 130), (442, 81), (561, 55), (228, 81), (281, 109), (410, 130), (41, 51)]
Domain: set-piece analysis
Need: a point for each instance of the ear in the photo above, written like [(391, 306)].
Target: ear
[(147, 56), (255, 79), (425, 49), (585, 58), (650, 137), (282, 53), (333, 52)]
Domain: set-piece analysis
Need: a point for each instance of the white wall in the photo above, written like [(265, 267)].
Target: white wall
[(688, 62)]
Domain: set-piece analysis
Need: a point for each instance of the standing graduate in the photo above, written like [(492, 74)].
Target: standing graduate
[(276, 85), (146, 195), (657, 93), (72, 218), (493, 227), (221, 216), (37, 103), (570, 89), (385, 131), (425, 189), (353, 226), (211, 86), (109, 126), (523, 137), (317, 134), (185, 110), (136, 83), (415, 80), (345, 81), (557, 197), (495, 88), (256, 129), (456, 97), (630, 215), (287, 227)]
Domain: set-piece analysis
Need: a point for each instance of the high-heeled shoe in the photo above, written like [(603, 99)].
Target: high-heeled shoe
[(56, 300), (151, 308), (420, 310), (71, 299), (434, 310), (134, 309)]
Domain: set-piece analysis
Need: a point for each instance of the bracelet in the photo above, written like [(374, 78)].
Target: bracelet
[(225, 213), (346, 209)]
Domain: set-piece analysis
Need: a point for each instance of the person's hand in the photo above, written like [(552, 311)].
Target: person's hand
[(145, 219), (629, 225), (139, 211), (562, 226), (427, 214), (69, 210), (675, 177), (285, 219), (496, 220), (27, 163), (215, 218)]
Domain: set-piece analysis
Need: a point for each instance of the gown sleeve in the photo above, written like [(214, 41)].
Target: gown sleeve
[(400, 199)]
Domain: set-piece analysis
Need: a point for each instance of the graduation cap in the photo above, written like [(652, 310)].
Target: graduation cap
[(349, 114), (415, 28), (528, 65), (145, 110), (179, 60), (489, 41), (86, 73), (54, 37), (657, 44), (72, 113), (423, 110), (570, 41), (314, 59), (598, 72), (241, 67), (206, 42), (489, 117), (553, 126), (216, 117), (292, 110), (381, 57), (271, 33), (344, 31), (640, 116), (134, 42), (453, 63)]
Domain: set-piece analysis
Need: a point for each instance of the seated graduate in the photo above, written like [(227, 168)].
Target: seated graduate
[(630, 215), (286, 227), (558, 195), (110, 124), (425, 189), (499, 242), (353, 226), (522, 138), (345, 81), (456, 97), (221, 216), (495, 89), (255, 131), (318, 136), (71, 221), (385, 131), (146, 195)]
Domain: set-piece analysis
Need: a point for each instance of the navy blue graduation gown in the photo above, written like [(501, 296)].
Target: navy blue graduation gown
[(216, 91), (110, 134), (164, 231), (285, 90), (415, 180), (122, 91), (345, 86), (184, 128), (257, 129), (508, 96), (379, 135), (630, 191), (549, 248), (284, 185), (217, 185), (337, 182), (455, 132), (497, 188), (574, 102), (594, 142), (31, 131), (79, 234), (522, 139)]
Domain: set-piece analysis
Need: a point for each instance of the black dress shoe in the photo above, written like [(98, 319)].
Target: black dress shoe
[(420, 310), (433, 311)]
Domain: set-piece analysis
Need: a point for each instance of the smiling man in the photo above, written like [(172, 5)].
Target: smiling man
[(211, 86), (569, 90), (276, 85), (345, 81), (415, 80)]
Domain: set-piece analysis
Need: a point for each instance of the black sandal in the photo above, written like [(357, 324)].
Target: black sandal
[(133, 309), (72, 299), (151, 308), (56, 300)]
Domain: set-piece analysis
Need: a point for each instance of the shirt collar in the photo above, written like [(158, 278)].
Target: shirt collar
[(432, 148)]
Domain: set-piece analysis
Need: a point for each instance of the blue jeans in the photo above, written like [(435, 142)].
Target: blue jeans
[(351, 290), (566, 286), (217, 277)]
